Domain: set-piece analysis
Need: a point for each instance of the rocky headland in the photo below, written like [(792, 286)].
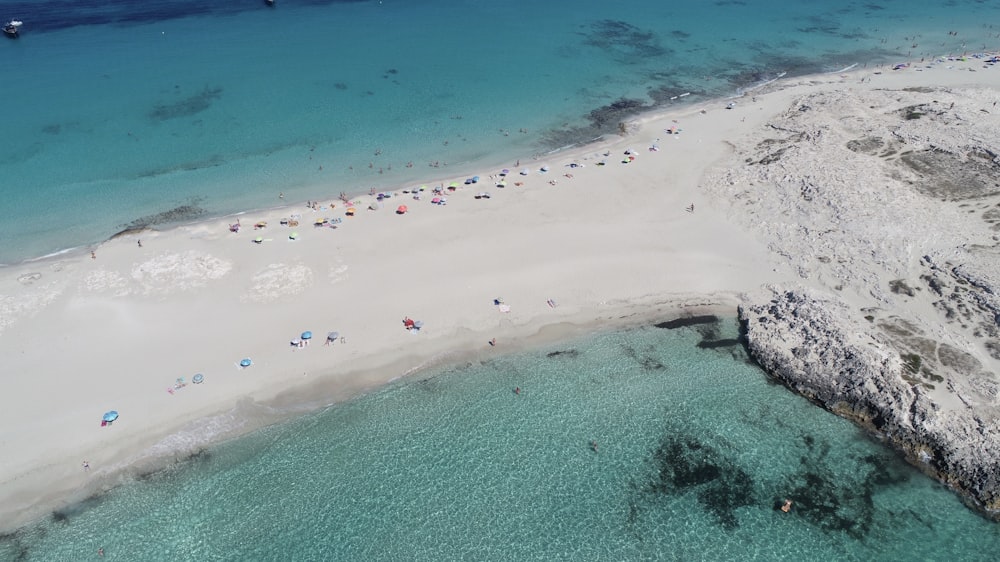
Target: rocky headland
[(886, 205), (813, 344)]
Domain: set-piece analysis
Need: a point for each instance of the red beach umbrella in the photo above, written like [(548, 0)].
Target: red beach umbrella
[(401, 210)]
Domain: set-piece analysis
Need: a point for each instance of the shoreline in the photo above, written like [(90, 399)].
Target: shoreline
[(655, 112), (187, 439), (606, 242)]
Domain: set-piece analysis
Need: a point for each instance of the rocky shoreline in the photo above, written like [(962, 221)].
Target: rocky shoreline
[(884, 204), (811, 343)]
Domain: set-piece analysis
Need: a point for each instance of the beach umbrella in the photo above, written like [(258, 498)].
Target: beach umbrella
[(545, 168), (198, 379), (332, 336), (401, 210), (110, 416), (293, 236), (246, 362), (307, 335), (258, 240), (524, 172), (475, 179), (436, 200), (504, 172)]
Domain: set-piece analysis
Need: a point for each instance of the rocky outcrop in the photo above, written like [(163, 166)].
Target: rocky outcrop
[(813, 344)]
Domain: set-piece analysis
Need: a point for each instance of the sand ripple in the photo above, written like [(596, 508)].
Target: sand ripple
[(169, 273), (278, 280), (337, 273), (103, 280), (13, 308)]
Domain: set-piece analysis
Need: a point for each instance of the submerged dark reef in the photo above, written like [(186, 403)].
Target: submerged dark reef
[(709, 472), (181, 213), (187, 106)]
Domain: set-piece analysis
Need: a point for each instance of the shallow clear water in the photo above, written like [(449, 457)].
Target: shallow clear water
[(125, 114), (694, 447)]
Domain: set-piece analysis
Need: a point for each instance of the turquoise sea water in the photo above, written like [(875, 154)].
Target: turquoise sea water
[(125, 114), (694, 447)]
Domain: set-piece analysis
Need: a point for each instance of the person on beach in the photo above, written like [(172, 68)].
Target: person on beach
[(86, 465), (493, 342), (140, 243), (93, 255)]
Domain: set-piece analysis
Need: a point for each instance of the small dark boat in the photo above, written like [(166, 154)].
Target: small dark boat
[(11, 28)]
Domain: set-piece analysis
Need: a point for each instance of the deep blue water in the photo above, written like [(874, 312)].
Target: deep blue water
[(127, 114)]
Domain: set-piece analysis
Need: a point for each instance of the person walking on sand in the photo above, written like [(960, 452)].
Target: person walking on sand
[(493, 342)]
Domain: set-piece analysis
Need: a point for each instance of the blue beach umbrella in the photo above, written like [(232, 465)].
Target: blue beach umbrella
[(307, 335), (198, 379), (110, 416), (246, 362)]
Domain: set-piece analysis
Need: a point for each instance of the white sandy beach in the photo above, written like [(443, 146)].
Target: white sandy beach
[(612, 244)]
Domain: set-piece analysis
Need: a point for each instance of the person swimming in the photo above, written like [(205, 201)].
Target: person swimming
[(787, 506)]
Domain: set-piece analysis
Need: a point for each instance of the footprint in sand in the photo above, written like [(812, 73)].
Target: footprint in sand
[(29, 278)]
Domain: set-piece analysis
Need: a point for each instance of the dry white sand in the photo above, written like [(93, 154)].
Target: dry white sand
[(610, 244)]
